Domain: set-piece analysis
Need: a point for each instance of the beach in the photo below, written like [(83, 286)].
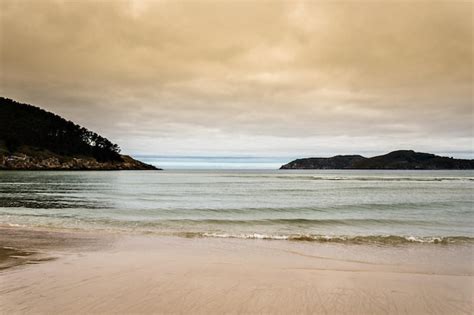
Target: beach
[(236, 157), (115, 273), (238, 242)]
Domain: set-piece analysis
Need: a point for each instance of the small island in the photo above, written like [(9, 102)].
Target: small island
[(34, 139), (396, 160)]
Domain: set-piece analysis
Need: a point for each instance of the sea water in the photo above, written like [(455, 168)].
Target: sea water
[(356, 206)]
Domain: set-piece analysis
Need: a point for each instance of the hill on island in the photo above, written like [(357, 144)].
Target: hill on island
[(402, 160), (32, 138)]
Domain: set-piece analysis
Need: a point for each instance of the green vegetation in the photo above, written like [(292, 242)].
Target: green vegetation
[(27, 125), (396, 160)]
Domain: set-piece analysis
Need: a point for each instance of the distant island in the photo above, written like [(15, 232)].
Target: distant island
[(34, 139), (396, 160)]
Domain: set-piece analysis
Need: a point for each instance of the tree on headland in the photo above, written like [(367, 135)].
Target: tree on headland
[(27, 125)]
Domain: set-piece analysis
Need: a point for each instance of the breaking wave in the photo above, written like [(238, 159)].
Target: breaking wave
[(368, 239)]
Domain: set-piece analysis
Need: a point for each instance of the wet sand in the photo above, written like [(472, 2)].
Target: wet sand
[(93, 273)]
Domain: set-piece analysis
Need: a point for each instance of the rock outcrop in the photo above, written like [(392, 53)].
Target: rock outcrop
[(21, 161)]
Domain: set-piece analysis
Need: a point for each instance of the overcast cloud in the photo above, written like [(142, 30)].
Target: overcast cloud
[(274, 78)]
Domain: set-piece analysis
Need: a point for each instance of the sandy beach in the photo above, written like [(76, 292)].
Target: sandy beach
[(68, 272), (236, 157)]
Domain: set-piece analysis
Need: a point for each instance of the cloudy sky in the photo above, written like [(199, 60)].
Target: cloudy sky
[(257, 78)]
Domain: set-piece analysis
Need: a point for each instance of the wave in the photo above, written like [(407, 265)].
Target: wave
[(392, 179), (301, 222), (298, 221), (388, 240), (367, 239), (358, 178)]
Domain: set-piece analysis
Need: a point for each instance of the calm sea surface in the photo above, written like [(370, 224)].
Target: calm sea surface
[(391, 207)]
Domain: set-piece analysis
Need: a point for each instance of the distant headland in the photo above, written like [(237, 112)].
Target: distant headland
[(396, 160), (34, 139)]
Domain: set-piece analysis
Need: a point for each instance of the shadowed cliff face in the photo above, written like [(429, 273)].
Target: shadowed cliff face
[(403, 159)]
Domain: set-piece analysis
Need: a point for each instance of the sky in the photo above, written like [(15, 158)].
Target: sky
[(248, 78)]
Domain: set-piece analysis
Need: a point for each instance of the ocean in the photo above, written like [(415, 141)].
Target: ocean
[(215, 162), (343, 206)]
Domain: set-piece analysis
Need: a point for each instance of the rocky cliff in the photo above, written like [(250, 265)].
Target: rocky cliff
[(22, 161)]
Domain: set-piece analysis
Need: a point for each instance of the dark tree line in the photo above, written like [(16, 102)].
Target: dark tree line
[(23, 124)]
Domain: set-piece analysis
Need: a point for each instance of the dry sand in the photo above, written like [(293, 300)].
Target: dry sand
[(150, 274)]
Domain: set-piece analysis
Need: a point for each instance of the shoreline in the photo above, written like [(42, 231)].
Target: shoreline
[(89, 272), (21, 246), (357, 240)]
